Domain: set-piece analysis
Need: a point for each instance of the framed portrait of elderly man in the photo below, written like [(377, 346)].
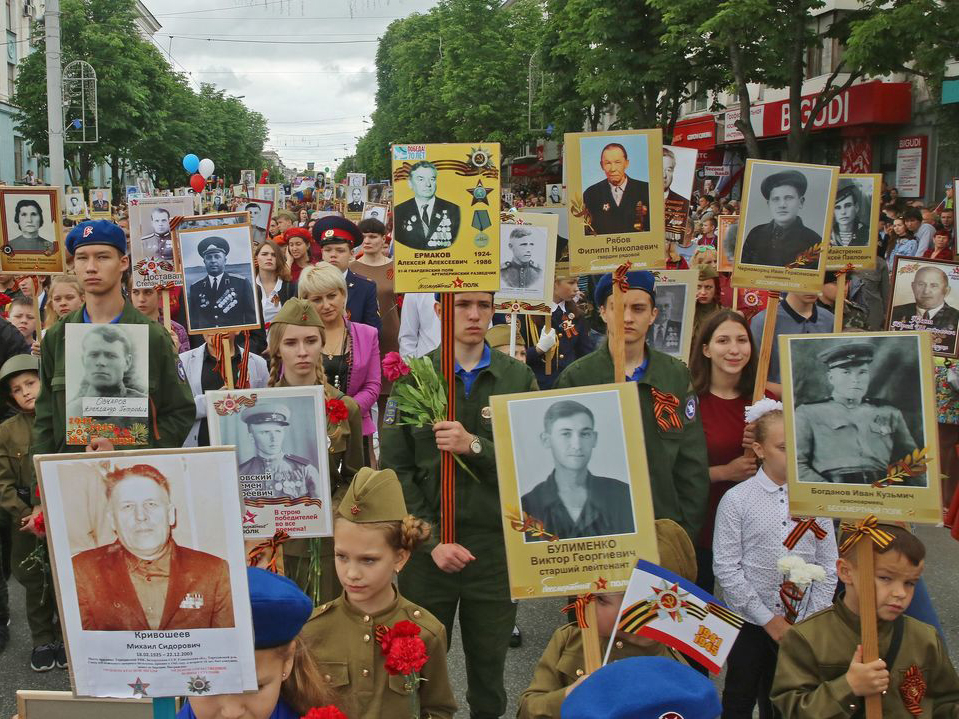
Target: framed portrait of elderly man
[(31, 240), (784, 226), (567, 473), (218, 277), (614, 185), (857, 443), (107, 387), (150, 571), (679, 172), (855, 226), (280, 439), (446, 217), (925, 298), (153, 259), (100, 208), (671, 331), (528, 267)]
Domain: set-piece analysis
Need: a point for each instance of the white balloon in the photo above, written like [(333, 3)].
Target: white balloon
[(206, 167)]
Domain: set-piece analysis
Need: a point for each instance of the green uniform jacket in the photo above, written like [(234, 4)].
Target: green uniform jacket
[(172, 409), (411, 452), (814, 657), (678, 470), (343, 643), (16, 469), (563, 663)]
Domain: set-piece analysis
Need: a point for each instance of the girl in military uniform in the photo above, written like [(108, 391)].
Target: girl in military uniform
[(295, 355), (373, 538)]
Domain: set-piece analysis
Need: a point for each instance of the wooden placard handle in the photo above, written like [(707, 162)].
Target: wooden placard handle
[(839, 308), (165, 299), (766, 348), (617, 344), (226, 347), (868, 631), (590, 633)]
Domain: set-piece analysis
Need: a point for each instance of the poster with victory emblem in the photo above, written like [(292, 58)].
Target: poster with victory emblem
[(528, 268), (446, 217), (152, 246), (280, 435), (31, 239)]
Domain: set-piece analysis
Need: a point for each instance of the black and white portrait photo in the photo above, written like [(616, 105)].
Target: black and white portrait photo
[(524, 251), (858, 407), (426, 221), (555, 195), (357, 199), (146, 541), (666, 332), (108, 382), (280, 439), (615, 177), (216, 219), (260, 213), (376, 192), (248, 179), (787, 210), (577, 477), (375, 211), (851, 212), (75, 207), (355, 179), (151, 236), (267, 192), (28, 222), (218, 268), (925, 297)]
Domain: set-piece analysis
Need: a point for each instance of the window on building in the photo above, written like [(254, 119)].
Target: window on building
[(11, 78), (824, 59), (18, 155), (697, 98)]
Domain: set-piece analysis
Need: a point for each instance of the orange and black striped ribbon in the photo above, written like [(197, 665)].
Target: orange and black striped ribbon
[(803, 526), (868, 527), (447, 462), (619, 276), (791, 596), (579, 606), (267, 545), (664, 409)]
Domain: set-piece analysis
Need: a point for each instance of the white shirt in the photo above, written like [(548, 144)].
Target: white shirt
[(429, 208), (270, 309), (752, 521), (931, 313), (618, 191), (419, 326), (214, 281)]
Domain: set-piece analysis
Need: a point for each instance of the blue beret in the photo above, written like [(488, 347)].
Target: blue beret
[(669, 689), (638, 280), (280, 609), (96, 232), (333, 228)]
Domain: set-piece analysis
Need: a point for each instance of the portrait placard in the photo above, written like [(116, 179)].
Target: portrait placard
[(281, 440), (679, 171), (100, 203), (75, 207), (726, 230), (272, 193), (153, 259), (214, 219), (787, 211), (218, 276), (672, 329), (555, 195), (614, 182), (854, 233), (356, 199), (132, 191), (261, 212), (547, 440), (528, 267), (375, 211), (107, 388), (355, 179), (446, 217), (182, 629), (32, 240), (857, 442), (925, 294), (377, 192), (248, 179)]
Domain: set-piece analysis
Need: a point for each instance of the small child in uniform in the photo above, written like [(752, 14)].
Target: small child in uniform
[(562, 667), (373, 536), (821, 673)]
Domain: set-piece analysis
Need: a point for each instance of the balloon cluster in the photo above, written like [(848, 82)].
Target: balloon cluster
[(199, 169)]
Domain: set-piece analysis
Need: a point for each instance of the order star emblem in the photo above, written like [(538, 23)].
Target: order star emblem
[(139, 687), (479, 193), (601, 583), (249, 517), (457, 282)]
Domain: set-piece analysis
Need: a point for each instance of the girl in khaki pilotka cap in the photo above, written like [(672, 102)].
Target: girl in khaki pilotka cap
[(373, 536)]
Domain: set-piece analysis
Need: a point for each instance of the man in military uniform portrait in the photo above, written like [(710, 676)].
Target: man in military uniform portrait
[(425, 221), (618, 203), (278, 474), (110, 369), (524, 270), (158, 243), (356, 200), (847, 229), (784, 238), (930, 312), (665, 332), (572, 501), (257, 222), (100, 203), (219, 299), (849, 438), (28, 217), (145, 580)]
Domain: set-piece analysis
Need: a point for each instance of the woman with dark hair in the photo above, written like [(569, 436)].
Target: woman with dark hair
[(274, 284), (298, 241), (302, 217), (723, 369)]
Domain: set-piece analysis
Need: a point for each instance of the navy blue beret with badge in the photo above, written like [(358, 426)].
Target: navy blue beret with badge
[(332, 229), (643, 688), (96, 232), (280, 608), (637, 279)]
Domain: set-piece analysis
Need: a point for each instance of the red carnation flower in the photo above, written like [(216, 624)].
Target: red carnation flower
[(336, 411), (404, 650), (327, 712), (394, 367), (39, 525)]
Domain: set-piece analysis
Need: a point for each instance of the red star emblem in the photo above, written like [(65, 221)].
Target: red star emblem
[(354, 510), (601, 583), (457, 282), (249, 517), (139, 687)]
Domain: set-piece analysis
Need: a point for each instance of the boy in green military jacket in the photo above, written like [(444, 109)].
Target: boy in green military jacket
[(820, 673), (673, 432), (98, 249), (19, 385)]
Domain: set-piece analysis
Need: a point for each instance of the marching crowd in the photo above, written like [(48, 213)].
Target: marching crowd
[(717, 475)]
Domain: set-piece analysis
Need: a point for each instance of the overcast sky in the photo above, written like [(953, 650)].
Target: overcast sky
[(314, 96)]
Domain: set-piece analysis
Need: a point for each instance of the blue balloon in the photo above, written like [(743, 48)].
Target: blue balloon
[(190, 163)]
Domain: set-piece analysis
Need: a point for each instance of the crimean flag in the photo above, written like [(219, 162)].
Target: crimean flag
[(663, 606)]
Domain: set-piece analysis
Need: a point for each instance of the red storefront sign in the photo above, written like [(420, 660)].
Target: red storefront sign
[(697, 132)]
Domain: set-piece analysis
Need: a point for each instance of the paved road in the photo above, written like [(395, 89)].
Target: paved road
[(537, 619)]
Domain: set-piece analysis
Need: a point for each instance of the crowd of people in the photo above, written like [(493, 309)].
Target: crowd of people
[(330, 314)]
